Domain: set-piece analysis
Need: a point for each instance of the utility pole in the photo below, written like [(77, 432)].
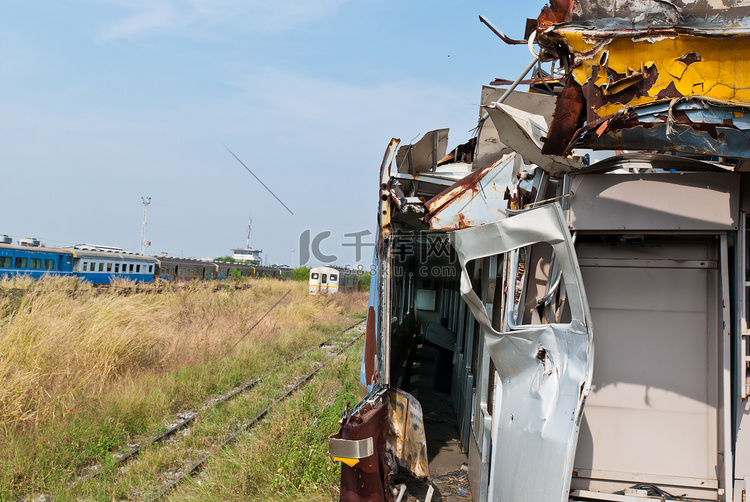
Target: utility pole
[(146, 202)]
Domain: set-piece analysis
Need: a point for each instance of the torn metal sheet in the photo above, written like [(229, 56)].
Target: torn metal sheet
[(429, 184), (383, 432), (384, 215), (712, 14), (690, 125), (463, 153), (523, 132), (544, 371), (625, 56), (621, 70), (476, 199), (423, 155), (490, 148), (406, 437)]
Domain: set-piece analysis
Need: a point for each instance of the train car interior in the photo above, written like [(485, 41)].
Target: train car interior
[(428, 324)]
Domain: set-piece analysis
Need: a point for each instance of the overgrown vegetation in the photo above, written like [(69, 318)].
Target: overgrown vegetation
[(364, 281), (301, 274), (84, 373)]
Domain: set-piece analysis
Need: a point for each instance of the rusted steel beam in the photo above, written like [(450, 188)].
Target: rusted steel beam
[(567, 119)]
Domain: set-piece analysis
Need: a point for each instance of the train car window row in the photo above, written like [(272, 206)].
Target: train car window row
[(125, 267), (31, 263), (118, 267)]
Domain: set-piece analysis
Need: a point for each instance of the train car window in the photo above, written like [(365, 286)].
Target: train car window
[(117, 268), (150, 268), (138, 268), (323, 278), (49, 264), (333, 277), (131, 267), (109, 267), (314, 276), (6, 262), (85, 266), (35, 263), (101, 267), (21, 262)]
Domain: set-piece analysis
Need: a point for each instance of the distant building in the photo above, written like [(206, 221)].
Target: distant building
[(247, 254)]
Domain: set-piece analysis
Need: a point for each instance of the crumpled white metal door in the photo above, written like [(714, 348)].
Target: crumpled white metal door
[(544, 371)]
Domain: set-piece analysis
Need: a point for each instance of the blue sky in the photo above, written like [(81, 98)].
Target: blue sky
[(105, 101)]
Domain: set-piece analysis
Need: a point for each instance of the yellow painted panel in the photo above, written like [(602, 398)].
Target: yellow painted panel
[(720, 74), (351, 462)]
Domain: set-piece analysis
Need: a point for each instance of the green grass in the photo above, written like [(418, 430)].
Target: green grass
[(87, 375), (286, 457)]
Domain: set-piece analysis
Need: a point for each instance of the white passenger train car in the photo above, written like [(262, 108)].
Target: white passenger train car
[(328, 280)]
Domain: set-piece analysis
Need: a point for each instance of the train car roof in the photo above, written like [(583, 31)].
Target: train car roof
[(325, 269), (108, 255), (35, 249), (182, 261)]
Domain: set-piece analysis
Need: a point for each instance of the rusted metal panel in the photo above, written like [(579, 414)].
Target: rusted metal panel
[(406, 437), (384, 432), (568, 118), (627, 60), (367, 479), (559, 11), (476, 199), (384, 215), (690, 125)]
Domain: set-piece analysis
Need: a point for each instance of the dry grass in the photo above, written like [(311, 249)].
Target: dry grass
[(102, 367)]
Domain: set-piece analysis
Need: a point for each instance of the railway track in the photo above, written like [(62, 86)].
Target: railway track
[(247, 425), (189, 419)]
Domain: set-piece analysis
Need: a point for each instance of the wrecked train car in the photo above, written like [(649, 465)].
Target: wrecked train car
[(501, 264)]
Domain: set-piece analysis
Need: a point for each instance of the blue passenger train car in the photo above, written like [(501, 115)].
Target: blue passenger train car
[(102, 267), (34, 261)]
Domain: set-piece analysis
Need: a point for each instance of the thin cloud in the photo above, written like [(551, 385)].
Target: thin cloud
[(170, 16)]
